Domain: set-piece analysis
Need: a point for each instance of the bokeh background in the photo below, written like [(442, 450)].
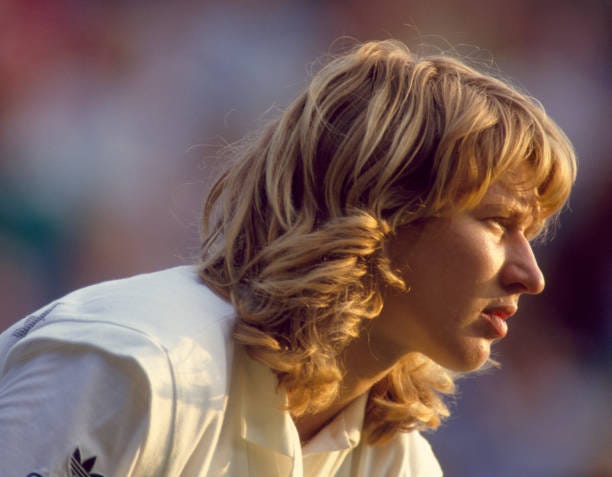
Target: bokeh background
[(109, 111)]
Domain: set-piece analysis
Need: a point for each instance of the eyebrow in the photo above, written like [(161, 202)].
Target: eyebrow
[(523, 211), (515, 206)]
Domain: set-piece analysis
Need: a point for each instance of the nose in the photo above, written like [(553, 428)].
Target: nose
[(521, 272)]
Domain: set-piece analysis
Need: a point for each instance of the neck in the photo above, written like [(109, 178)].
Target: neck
[(365, 363)]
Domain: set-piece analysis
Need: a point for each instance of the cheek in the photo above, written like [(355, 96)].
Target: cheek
[(472, 265), (447, 260), (454, 277), (471, 258)]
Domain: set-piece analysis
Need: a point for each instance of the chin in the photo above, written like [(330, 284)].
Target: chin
[(466, 360)]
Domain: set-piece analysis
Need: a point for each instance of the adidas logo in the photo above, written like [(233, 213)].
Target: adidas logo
[(79, 468)]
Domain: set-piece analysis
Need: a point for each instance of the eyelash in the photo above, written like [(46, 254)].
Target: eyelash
[(531, 229), (504, 223)]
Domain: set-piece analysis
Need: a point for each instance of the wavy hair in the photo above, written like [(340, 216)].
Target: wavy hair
[(294, 229)]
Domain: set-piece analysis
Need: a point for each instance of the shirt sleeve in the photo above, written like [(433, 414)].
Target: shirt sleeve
[(72, 410)]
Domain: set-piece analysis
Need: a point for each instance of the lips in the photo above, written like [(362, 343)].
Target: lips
[(503, 312), (497, 316)]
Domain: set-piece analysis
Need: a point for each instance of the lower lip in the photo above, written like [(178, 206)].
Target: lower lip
[(499, 325)]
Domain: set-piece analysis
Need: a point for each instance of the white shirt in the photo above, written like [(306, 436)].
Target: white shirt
[(142, 375)]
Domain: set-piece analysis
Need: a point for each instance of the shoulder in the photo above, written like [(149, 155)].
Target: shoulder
[(408, 454), (168, 323), (165, 332), (420, 456), (177, 295), (417, 457)]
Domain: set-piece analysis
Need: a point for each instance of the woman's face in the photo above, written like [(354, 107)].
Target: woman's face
[(465, 274)]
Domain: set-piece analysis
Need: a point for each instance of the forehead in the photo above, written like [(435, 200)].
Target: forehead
[(515, 189), (512, 202), (504, 193)]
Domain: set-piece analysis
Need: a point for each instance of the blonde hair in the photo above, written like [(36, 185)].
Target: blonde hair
[(294, 230)]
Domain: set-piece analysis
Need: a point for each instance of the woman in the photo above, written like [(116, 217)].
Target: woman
[(361, 251)]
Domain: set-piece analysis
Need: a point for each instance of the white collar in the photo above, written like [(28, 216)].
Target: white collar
[(343, 432), (266, 422)]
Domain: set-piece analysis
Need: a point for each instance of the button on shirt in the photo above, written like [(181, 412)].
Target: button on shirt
[(140, 377)]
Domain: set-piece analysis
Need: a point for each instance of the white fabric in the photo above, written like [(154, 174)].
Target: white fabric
[(142, 374)]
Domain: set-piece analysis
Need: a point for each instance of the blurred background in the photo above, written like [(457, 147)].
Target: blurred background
[(108, 111)]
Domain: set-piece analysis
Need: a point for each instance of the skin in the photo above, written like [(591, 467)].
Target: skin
[(463, 272)]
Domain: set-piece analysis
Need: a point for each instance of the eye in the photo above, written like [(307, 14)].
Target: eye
[(500, 223)]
